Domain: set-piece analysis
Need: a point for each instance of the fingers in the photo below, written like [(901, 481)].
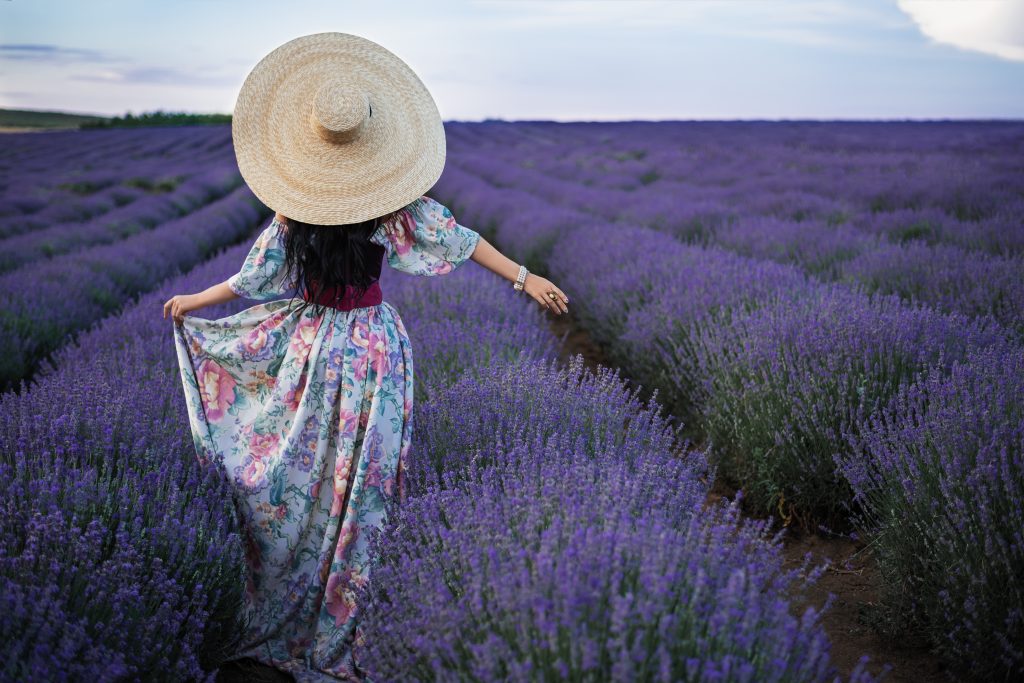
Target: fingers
[(561, 299), (173, 307), (542, 300), (547, 303), (557, 302)]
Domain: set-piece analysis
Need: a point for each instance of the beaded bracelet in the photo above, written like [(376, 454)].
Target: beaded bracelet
[(520, 279)]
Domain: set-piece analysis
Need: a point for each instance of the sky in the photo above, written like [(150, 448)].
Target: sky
[(541, 59)]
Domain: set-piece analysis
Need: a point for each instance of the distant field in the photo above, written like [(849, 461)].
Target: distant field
[(27, 120), (19, 119), (832, 314)]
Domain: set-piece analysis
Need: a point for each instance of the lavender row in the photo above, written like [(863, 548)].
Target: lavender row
[(961, 178), (45, 302), (599, 403), (105, 492), (774, 367), (819, 231), (940, 473), (558, 532), (117, 224), (788, 377), (69, 176)]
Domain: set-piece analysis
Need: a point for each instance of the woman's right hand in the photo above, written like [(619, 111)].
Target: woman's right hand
[(539, 288), (179, 305)]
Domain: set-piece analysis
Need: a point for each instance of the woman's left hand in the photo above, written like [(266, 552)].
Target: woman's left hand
[(546, 294), (178, 305)]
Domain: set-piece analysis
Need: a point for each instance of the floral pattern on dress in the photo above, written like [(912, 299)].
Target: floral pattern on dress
[(310, 418)]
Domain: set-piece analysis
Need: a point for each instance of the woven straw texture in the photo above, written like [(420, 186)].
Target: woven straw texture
[(332, 128)]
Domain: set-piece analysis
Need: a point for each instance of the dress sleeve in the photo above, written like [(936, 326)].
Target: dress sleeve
[(263, 275), (423, 238)]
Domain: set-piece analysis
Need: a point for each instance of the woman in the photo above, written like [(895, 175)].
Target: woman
[(305, 403)]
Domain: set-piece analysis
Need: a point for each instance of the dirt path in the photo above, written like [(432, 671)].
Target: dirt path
[(851, 576)]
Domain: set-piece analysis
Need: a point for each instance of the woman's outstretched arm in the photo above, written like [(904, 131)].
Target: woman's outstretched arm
[(181, 304), (536, 286)]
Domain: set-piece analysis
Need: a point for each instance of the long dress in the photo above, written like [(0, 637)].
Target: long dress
[(310, 418)]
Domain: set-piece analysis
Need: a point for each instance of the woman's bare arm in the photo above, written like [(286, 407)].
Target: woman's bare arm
[(181, 304), (536, 286)]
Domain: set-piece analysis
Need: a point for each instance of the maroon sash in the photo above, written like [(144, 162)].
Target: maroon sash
[(345, 301), (333, 297)]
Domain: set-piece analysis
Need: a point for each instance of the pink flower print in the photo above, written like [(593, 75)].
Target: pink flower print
[(294, 395), (255, 341), (254, 474), (216, 389), (281, 510), (261, 243), (340, 599), (342, 470), (348, 420), (405, 236), (361, 338), (377, 345), (347, 539), (441, 267), (263, 445), (302, 337)]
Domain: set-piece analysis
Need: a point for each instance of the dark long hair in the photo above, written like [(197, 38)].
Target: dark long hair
[(324, 256)]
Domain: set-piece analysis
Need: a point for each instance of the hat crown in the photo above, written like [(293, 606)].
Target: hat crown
[(340, 110)]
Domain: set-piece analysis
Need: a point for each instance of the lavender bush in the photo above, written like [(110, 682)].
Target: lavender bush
[(940, 478), (121, 222), (127, 546), (947, 277), (44, 302), (502, 404), (788, 380), (560, 564)]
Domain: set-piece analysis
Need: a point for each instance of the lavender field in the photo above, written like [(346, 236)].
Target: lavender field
[(825, 318)]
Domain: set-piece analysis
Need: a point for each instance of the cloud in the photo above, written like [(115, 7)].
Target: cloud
[(41, 52), (158, 75), (994, 27)]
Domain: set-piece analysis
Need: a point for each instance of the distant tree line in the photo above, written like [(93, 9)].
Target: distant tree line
[(157, 118)]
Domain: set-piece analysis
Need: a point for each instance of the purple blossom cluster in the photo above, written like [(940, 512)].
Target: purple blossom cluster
[(940, 475), (122, 557), (67, 177), (569, 540), (787, 382), (121, 222), (787, 373), (946, 276), (48, 300), (812, 197)]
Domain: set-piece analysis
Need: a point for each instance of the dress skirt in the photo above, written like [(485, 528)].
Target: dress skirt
[(310, 418), (308, 414)]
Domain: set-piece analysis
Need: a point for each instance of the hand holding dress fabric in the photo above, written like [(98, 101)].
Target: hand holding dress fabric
[(425, 239)]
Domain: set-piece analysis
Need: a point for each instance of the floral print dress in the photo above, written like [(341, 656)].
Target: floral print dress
[(310, 418)]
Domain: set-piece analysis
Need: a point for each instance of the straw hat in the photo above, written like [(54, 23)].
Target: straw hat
[(332, 128)]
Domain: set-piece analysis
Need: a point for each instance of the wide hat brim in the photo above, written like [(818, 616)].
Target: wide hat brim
[(332, 128)]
